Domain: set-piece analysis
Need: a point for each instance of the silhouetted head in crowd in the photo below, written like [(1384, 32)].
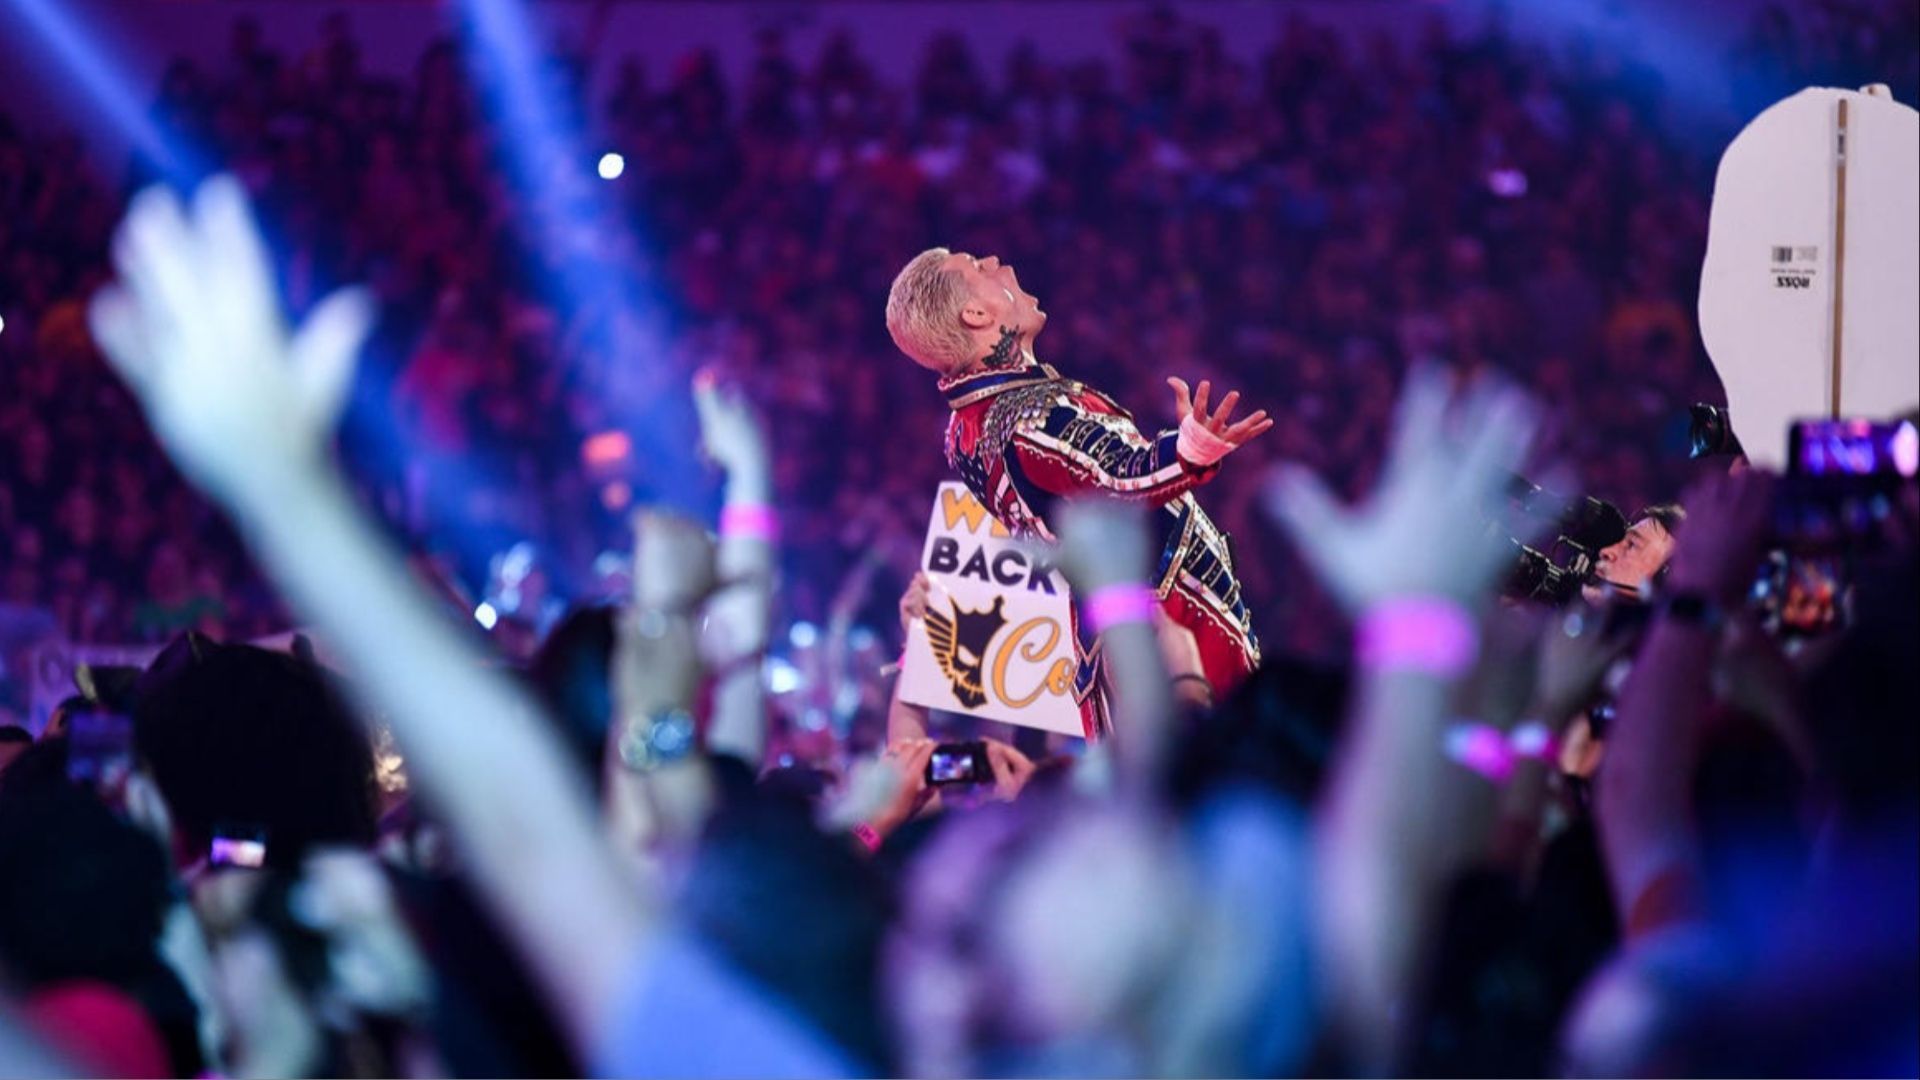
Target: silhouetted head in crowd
[(244, 737), (57, 720), (85, 896), (1278, 730), (14, 741)]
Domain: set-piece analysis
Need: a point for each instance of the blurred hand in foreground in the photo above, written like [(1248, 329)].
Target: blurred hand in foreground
[(1011, 769), (913, 602), (1424, 531), (908, 758), (730, 433), (1103, 542), (195, 327)]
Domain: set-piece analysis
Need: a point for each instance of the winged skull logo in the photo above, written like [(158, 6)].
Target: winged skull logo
[(960, 646)]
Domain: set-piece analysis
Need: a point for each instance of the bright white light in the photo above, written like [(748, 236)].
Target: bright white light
[(3, 325), (611, 166), (486, 616), (803, 635), (1906, 449), (782, 677)]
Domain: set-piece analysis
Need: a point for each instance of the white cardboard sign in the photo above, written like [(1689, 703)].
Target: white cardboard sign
[(997, 640), (1808, 198)]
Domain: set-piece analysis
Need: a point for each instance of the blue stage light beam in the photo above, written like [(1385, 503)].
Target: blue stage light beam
[(88, 59), (577, 222)]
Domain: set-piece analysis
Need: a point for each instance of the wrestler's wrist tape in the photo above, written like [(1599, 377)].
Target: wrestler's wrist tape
[(1200, 446)]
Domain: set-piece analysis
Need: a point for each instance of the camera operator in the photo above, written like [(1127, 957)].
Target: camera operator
[(1625, 570)]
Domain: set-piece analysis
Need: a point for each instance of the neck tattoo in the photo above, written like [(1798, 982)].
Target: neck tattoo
[(1004, 352)]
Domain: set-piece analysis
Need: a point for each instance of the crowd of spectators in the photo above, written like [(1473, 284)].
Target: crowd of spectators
[(1633, 837), (1299, 228)]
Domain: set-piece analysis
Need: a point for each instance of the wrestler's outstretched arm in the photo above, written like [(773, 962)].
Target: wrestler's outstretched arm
[(1068, 452)]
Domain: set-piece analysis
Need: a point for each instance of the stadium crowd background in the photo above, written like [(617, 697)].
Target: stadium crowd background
[(1301, 228)]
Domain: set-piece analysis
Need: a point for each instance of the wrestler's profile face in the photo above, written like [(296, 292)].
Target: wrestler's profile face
[(995, 295)]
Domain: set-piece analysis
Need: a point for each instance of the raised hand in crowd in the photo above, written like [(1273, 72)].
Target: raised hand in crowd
[(1423, 531), (1011, 769), (907, 757), (1415, 565), (657, 787), (732, 436), (1107, 555), (195, 327), (913, 602), (740, 615)]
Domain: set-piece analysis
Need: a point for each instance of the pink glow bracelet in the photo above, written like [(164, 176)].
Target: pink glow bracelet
[(750, 521), (868, 836), (1533, 741), (1428, 634), (1481, 748), (1117, 604), (1200, 446)]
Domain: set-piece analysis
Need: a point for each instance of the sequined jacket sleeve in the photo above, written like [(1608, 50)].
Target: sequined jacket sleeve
[(1075, 447)]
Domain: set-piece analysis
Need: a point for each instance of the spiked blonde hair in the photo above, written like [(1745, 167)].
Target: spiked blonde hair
[(923, 313)]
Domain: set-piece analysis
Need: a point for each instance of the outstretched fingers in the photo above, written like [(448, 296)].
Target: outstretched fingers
[(154, 253), (326, 348), (1310, 513), (1247, 429), (1225, 411), (234, 260), (1419, 419), (114, 318), (1182, 401), (1497, 423)]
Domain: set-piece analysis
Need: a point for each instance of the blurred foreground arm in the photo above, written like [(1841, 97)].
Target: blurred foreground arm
[(907, 722), (1106, 553), (740, 613), (246, 408), (1414, 567)]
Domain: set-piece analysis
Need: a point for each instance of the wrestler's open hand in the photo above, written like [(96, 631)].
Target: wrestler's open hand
[(1218, 423), (195, 327)]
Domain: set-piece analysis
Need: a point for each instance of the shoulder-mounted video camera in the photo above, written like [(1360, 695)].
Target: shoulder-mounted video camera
[(1582, 526)]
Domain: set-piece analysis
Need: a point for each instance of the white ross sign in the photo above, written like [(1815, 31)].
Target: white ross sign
[(997, 640), (1807, 293)]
